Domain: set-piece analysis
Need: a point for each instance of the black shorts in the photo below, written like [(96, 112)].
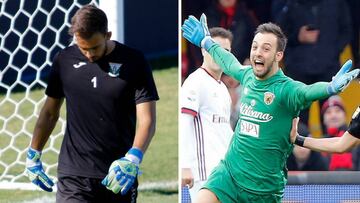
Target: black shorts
[(75, 189)]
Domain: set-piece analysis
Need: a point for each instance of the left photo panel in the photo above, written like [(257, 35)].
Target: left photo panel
[(88, 101)]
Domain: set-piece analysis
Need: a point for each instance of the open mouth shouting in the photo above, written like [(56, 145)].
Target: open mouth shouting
[(258, 65)]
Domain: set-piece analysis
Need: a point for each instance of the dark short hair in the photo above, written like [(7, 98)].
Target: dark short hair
[(276, 30), (221, 32), (87, 21)]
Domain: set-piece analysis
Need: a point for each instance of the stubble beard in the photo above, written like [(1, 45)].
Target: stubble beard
[(266, 72)]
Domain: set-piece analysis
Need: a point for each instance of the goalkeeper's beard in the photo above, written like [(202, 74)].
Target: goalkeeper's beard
[(103, 54)]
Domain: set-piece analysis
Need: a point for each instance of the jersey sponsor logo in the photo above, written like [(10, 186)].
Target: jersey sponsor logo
[(219, 119), (78, 65), (268, 98), (249, 113), (114, 70), (248, 128)]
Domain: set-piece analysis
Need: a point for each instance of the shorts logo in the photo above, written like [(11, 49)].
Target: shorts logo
[(114, 69), (133, 195), (268, 98), (248, 128)]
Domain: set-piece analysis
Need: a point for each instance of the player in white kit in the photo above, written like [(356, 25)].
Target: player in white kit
[(205, 131)]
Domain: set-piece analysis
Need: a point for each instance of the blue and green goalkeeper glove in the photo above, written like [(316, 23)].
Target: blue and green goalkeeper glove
[(123, 172), (342, 79), (197, 32), (35, 171)]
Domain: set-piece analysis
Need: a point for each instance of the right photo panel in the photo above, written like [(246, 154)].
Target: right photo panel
[(269, 101)]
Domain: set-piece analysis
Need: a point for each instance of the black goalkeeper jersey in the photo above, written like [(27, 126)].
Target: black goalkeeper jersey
[(101, 100)]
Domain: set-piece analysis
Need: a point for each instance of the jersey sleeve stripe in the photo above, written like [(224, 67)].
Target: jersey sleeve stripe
[(200, 148), (188, 111)]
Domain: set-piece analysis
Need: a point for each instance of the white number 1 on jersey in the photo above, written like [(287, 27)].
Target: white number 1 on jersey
[(94, 81)]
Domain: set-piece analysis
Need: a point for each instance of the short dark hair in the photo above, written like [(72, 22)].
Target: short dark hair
[(87, 21), (276, 30), (221, 32)]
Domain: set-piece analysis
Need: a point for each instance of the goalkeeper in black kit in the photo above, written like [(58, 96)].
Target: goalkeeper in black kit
[(110, 98), (349, 140)]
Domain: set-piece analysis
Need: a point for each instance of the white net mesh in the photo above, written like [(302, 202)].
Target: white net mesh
[(31, 33)]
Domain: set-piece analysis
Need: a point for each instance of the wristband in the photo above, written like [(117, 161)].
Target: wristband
[(33, 154), (299, 140), (135, 155), (207, 43)]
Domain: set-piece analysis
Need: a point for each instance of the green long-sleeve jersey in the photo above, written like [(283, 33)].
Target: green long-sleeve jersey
[(256, 158)]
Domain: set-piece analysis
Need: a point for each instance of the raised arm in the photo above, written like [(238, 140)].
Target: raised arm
[(227, 61), (197, 33), (314, 92), (301, 95)]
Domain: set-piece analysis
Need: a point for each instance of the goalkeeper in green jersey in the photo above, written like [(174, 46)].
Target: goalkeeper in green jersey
[(253, 169)]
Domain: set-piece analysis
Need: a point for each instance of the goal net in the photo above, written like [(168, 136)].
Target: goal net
[(31, 33)]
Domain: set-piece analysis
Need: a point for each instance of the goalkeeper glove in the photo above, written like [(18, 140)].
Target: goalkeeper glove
[(354, 127), (35, 171), (123, 172), (197, 32), (342, 79)]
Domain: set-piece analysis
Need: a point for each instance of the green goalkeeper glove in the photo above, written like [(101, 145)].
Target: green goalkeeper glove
[(123, 172)]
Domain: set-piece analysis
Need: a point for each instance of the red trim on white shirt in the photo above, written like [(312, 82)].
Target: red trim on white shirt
[(188, 111), (218, 81)]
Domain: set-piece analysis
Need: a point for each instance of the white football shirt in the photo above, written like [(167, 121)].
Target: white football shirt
[(208, 100)]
